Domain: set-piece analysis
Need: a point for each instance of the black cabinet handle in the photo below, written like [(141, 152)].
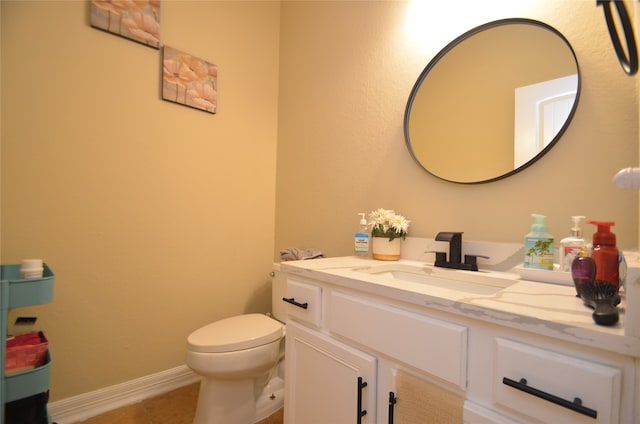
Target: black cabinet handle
[(361, 385), (392, 403), (292, 300), (576, 405)]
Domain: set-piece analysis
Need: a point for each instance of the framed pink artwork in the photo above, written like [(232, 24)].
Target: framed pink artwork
[(136, 20), (188, 80)]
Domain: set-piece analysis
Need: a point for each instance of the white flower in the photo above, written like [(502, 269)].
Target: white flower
[(400, 223), (385, 223)]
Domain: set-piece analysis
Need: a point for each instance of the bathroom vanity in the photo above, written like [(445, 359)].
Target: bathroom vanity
[(370, 341)]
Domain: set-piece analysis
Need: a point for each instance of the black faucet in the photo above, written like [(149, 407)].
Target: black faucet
[(455, 253)]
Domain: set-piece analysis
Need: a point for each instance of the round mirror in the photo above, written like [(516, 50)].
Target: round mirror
[(492, 102)]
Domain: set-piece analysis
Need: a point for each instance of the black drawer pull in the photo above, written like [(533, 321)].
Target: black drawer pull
[(392, 403), (576, 405), (304, 305), (361, 413)]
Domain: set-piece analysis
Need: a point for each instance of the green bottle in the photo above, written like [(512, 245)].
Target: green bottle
[(538, 245)]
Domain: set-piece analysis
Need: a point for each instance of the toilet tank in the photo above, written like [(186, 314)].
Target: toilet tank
[(278, 291)]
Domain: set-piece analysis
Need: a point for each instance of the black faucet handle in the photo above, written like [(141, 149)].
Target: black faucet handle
[(441, 257), (472, 261)]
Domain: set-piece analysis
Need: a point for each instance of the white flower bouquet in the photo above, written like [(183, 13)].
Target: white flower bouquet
[(386, 223)]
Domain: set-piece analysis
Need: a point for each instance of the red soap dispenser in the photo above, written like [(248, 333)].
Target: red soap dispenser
[(605, 254)]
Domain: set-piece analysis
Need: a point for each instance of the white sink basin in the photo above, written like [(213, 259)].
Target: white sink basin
[(472, 282)]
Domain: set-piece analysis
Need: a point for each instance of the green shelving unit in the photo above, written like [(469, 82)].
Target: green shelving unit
[(16, 293)]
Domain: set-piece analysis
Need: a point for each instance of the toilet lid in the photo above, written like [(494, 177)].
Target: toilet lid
[(235, 333)]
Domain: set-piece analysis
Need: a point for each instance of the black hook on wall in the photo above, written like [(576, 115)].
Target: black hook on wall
[(628, 61)]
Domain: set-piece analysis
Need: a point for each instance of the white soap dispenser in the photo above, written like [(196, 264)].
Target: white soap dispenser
[(570, 246), (362, 238)]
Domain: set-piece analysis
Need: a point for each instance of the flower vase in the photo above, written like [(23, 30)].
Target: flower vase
[(384, 249)]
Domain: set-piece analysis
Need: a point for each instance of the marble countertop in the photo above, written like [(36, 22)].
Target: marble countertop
[(550, 310)]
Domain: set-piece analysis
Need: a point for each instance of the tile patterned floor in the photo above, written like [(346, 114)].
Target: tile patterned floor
[(176, 407)]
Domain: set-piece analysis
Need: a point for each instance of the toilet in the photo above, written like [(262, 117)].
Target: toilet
[(241, 363)]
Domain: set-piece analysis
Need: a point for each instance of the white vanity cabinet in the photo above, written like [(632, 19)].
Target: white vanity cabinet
[(396, 351), (344, 348)]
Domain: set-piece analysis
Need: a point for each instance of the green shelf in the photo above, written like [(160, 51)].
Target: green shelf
[(16, 292), (30, 382), (27, 292)]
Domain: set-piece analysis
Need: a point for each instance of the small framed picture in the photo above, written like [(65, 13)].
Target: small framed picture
[(136, 20), (188, 80)]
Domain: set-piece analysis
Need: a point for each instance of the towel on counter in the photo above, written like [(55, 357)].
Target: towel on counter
[(420, 402), (295, 254)]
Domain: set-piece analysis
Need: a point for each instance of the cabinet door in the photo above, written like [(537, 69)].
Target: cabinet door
[(327, 381)]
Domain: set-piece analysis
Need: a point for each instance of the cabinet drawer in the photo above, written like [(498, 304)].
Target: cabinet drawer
[(544, 385), (304, 302), (432, 345)]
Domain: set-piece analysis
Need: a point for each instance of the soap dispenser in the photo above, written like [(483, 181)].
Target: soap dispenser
[(605, 254), (362, 238), (571, 246), (538, 245)]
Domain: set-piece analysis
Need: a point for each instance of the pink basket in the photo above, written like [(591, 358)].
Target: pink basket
[(26, 351)]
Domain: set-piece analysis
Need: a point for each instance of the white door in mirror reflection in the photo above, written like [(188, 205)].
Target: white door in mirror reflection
[(541, 110)]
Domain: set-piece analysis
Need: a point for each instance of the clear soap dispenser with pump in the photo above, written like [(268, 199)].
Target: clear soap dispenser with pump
[(362, 238), (571, 246)]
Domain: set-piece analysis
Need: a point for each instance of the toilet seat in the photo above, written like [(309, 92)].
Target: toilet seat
[(235, 333)]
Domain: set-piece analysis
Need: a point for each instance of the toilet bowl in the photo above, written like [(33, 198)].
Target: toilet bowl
[(241, 363)]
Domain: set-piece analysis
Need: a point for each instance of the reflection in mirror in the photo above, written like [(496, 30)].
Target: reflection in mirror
[(492, 102)]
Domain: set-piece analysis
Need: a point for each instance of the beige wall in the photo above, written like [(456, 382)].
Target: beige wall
[(156, 218), (346, 71), (127, 196)]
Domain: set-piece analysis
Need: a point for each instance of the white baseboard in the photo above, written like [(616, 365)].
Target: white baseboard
[(87, 405)]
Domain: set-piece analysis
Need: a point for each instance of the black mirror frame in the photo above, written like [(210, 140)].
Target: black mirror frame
[(628, 62), (450, 46)]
